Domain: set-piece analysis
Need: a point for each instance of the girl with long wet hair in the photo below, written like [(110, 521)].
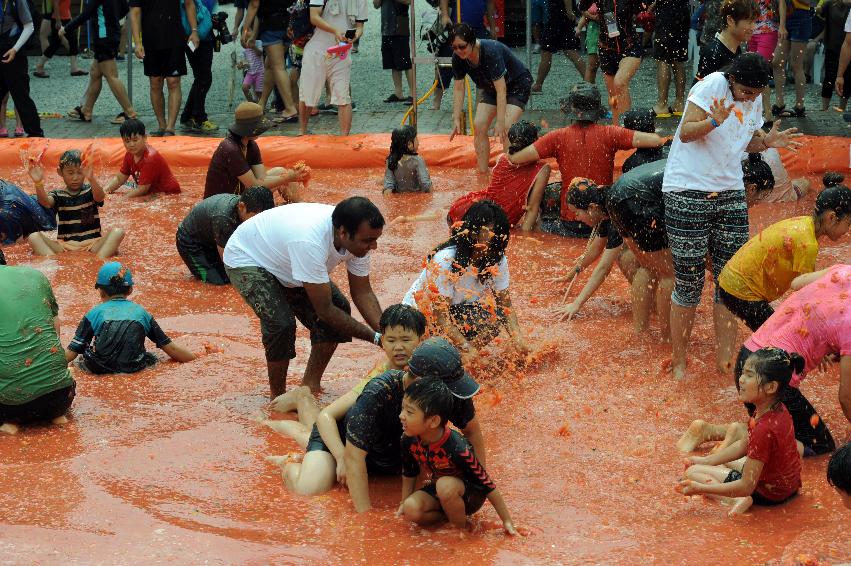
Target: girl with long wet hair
[(406, 171), (464, 288)]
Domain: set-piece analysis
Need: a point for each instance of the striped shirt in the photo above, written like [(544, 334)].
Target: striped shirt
[(78, 214)]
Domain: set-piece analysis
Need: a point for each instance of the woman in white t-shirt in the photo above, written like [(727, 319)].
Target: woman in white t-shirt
[(464, 288), (706, 215)]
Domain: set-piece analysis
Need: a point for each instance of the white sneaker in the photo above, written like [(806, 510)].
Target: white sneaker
[(536, 48)]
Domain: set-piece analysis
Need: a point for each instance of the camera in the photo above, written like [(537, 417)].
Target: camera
[(221, 34)]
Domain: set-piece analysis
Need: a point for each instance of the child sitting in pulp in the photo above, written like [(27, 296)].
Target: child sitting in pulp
[(76, 208), (459, 483), (111, 337), (149, 169), (771, 473), (406, 171)]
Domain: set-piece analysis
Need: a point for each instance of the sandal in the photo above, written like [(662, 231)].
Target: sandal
[(799, 111), (782, 112), (393, 98), (77, 114), (41, 74), (667, 114), (79, 73), (119, 119)]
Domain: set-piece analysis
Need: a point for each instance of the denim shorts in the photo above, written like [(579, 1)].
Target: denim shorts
[(799, 24), (274, 37)]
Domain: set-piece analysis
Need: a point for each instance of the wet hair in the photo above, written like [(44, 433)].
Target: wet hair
[(116, 286), (465, 32), (464, 238), (432, 397), (521, 135), (835, 197), (582, 193), (350, 213), (400, 141), (750, 70), (755, 171), (839, 469), (776, 364), (2, 258), (738, 10), (70, 158), (405, 316), (257, 199), (132, 127), (640, 120)]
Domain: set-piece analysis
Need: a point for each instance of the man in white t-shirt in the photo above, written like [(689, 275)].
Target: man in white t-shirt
[(280, 261), (844, 59), (332, 20)]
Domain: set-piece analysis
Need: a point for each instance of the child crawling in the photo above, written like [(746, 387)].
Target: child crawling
[(459, 483), (771, 472)]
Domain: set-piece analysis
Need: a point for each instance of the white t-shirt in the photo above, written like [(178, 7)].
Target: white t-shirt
[(713, 162), (295, 243), (341, 14), (461, 287)]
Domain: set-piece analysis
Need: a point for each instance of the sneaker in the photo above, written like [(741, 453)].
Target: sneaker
[(325, 107), (536, 48), (207, 126)]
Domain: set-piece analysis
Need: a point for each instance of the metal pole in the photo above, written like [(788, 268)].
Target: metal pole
[(129, 53), (412, 13), (529, 33)]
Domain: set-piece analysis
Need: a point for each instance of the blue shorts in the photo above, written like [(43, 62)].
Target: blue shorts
[(799, 24), (274, 37)]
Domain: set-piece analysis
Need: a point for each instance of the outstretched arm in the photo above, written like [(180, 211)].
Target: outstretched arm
[(320, 297), (495, 497)]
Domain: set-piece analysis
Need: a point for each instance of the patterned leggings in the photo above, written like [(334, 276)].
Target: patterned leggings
[(703, 226)]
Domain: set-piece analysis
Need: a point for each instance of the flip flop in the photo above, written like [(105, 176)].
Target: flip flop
[(77, 114), (393, 98), (79, 73), (41, 74), (119, 119), (667, 114), (784, 113)]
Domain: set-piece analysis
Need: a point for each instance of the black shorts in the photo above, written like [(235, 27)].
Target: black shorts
[(754, 313), (518, 95), (757, 498), (44, 408), (477, 322), (816, 439), (610, 59), (278, 307), (642, 222), (670, 40), (203, 262), (473, 499), (165, 62), (105, 50), (396, 52), (558, 36), (315, 443)]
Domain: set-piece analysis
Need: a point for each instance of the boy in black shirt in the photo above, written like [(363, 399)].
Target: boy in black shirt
[(76, 207), (459, 484), (737, 17)]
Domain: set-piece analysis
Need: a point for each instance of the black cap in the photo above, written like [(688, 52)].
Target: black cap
[(750, 70), (436, 357), (583, 103)]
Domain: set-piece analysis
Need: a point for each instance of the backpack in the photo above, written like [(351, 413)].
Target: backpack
[(202, 18), (300, 27)]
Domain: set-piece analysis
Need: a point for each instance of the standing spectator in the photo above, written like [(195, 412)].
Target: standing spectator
[(474, 13), (844, 60), (670, 49), (558, 36), (16, 27), (61, 17), (255, 74), (764, 40), (240, 6), (793, 38), (504, 85), (619, 51), (539, 20), (717, 53), (590, 21), (273, 19), (332, 19), (706, 213), (194, 115), (35, 384), (107, 38), (157, 24), (834, 12), (396, 45)]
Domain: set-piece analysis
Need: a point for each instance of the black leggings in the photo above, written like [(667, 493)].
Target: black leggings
[(45, 408), (817, 438), (754, 313), (55, 43), (201, 61), (831, 66)]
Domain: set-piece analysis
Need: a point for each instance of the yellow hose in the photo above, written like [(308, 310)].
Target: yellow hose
[(470, 106), (418, 102)]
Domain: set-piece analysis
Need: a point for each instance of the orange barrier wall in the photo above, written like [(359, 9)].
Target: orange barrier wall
[(819, 154)]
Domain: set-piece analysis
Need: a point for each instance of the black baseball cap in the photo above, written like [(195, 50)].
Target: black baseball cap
[(436, 357), (583, 103)]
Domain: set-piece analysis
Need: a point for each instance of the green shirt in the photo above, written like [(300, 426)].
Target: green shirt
[(32, 361)]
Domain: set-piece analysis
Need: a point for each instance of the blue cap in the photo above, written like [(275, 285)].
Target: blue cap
[(111, 270)]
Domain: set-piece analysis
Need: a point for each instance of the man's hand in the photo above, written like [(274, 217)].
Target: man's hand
[(61, 32), (9, 56), (840, 86), (194, 39), (140, 51), (445, 20), (341, 471)]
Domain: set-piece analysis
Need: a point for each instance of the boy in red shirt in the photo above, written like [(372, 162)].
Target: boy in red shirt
[(148, 168)]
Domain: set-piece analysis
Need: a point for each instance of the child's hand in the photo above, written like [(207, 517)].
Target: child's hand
[(690, 487), (341, 472), (88, 169), (36, 171), (509, 528), (301, 173)]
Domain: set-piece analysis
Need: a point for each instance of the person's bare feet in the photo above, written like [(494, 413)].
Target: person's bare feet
[(679, 371), (537, 88), (60, 420), (693, 437), (740, 505), (279, 461), (9, 428), (289, 400)]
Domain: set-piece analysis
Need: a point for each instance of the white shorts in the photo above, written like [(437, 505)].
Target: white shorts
[(316, 68)]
